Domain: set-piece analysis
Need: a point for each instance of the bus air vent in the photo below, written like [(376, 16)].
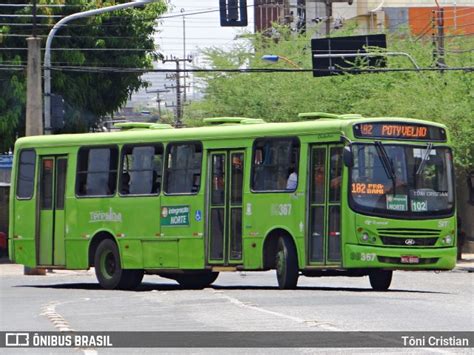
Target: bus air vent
[(325, 115), (232, 120), (126, 126)]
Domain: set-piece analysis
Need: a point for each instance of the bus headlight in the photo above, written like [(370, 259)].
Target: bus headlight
[(365, 237), (448, 240)]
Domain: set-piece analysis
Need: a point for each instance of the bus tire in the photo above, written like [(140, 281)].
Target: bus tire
[(380, 279), (196, 281), (131, 279), (286, 263), (107, 265)]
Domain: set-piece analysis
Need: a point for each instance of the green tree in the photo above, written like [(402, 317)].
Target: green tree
[(442, 97), (89, 94)]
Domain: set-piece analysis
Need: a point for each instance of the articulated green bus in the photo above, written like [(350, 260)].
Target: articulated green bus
[(327, 195)]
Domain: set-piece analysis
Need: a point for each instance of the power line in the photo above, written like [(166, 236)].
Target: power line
[(255, 70)]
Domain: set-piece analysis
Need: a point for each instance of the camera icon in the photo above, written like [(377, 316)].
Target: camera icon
[(17, 339)]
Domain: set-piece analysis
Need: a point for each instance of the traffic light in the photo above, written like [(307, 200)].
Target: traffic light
[(58, 109), (233, 12)]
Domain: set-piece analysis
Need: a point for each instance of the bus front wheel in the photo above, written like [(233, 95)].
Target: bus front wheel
[(380, 280), (286, 263), (109, 271)]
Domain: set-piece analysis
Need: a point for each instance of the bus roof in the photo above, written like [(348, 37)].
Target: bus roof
[(239, 130)]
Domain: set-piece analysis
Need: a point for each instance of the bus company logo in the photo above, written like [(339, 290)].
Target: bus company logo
[(410, 241), (164, 212), (101, 216), (17, 339)]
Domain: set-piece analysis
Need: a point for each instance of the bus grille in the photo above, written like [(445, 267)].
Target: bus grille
[(392, 260), (408, 237), (408, 242)]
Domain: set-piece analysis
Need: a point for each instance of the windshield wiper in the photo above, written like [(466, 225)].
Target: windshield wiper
[(387, 165), (424, 159)]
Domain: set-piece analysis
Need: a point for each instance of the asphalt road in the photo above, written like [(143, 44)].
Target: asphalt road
[(416, 301)]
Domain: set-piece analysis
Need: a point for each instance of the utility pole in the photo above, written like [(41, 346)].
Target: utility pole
[(179, 102), (437, 36), (184, 55), (34, 107), (328, 17), (158, 99), (441, 62)]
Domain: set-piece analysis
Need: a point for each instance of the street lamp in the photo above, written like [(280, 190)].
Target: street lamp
[(47, 52), (275, 58)]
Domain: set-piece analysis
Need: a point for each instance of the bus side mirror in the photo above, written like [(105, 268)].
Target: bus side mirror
[(347, 156)]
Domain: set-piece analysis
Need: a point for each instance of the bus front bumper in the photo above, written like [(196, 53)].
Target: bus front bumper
[(364, 256)]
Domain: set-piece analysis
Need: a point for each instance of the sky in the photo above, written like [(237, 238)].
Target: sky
[(202, 30)]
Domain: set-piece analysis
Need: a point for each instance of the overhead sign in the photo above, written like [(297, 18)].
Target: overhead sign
[(399, 130), (336, 55)]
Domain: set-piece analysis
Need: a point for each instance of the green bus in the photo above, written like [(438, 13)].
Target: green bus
[(324, 196)]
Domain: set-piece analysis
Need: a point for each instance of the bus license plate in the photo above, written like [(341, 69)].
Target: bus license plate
[(410, 259)]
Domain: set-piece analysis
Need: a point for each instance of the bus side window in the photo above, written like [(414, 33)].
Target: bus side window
[(26, 174), (275, 164), (97, 171), (183, 168), (141, 169)]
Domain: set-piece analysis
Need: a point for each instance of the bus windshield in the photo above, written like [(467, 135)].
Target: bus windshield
[(402, 180)]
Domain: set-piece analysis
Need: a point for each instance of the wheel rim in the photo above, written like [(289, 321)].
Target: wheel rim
[(108, 264)]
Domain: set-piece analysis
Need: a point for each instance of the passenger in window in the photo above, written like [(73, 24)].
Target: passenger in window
[(156, 184), (292, 180), (125, 189)]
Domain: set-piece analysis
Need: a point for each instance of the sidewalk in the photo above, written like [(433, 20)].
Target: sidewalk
[(8, 269)]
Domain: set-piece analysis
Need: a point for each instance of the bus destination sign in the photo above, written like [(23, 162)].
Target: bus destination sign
[(399, 130)]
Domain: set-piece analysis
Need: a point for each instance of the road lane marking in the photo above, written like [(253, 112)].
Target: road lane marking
[(49, 311), (310, 323)]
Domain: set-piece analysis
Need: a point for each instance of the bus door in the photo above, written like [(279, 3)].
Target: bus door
[(324, 232), (224, 224), (52, 188)]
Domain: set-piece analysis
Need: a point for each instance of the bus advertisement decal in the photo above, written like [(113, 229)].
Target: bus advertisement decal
[(175, 216)]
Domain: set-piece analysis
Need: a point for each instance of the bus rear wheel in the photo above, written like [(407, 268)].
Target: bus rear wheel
[(380, 280), (286, 263), (196, 280), (108, 270)]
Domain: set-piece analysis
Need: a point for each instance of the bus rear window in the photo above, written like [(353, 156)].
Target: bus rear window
[(26, 174), (97, 171), (275, 164)]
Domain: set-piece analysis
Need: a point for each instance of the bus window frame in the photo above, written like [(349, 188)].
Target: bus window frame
[(121, 160), (17, 172), (77, 170), (297, 166), (394, 214), (165, 164)]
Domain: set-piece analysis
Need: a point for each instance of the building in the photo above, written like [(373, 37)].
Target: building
[(370, 15)]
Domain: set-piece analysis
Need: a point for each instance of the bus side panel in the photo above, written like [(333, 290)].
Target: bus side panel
[(191, 253), (131, 255), (160, 254), (77, 253), (23, 224)]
